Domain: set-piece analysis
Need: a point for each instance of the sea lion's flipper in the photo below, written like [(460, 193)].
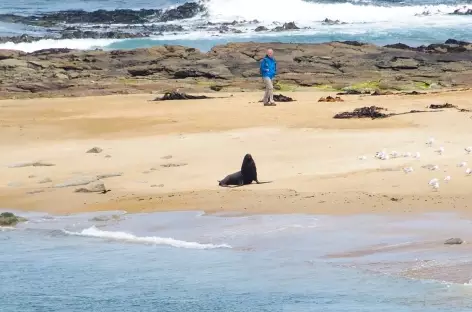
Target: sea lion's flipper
[(264, 182)]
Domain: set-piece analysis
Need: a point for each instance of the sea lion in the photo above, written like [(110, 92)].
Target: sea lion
[(249, 170), (247, 174), (232, 179)]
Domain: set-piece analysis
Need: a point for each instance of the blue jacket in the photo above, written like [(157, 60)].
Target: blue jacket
[(268, 67)]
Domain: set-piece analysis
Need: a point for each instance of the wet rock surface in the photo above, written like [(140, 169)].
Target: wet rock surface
[(118, 16), (354, 67)]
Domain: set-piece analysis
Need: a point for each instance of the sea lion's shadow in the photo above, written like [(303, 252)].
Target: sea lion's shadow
[(234, 186)]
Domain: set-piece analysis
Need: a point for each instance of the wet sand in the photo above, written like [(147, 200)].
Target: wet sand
[(170, 154)]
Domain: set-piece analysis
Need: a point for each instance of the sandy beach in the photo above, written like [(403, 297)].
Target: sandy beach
[(165, 156)]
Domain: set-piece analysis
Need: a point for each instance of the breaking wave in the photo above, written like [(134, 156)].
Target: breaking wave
[(128, 237)]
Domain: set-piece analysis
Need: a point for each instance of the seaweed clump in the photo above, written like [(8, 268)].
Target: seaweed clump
[(373, 112), (282, 98)]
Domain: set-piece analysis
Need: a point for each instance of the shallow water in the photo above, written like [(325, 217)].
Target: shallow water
[(193, 262)]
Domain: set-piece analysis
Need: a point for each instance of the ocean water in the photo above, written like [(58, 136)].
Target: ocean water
[(188, 261), (375, 21)]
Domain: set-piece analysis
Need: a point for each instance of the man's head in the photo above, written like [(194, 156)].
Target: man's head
[(270, 52)]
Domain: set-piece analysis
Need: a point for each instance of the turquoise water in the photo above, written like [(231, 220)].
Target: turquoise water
[(95, 262)]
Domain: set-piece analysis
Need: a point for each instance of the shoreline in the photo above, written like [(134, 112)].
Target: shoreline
[(168, 156)]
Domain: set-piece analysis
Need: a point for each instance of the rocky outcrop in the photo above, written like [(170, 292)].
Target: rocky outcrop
[(348, 65), (10, 219), (328, 21), (462, 11), (286, 26), (119, 16)]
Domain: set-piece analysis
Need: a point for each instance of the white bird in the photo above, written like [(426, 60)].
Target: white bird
[(440, 150), (468, 149), (417, 155), (447, 178), (407, 169), (433, 181), (462, 164), (362, 158), (468, 171), (435, 186), (430, 141), (385, 157), (394, 154), (435, 167), (407, 154)]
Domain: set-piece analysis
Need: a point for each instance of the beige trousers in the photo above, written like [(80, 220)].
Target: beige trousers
[(269, 91)]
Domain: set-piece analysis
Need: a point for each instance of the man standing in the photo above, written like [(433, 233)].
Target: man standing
[(268, 72)]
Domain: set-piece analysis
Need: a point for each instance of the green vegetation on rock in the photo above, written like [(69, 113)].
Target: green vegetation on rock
[(423, 84), (9, 219), (368, 85), (284, 87)]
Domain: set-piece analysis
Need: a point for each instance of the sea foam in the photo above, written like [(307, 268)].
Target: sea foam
[(305, 12), (128, 237), (81, 44)]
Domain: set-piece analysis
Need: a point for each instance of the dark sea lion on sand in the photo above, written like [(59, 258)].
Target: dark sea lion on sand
[(247, 174)]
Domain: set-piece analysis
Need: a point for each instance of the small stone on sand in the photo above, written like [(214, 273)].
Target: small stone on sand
[(95, 150), (454, 241)]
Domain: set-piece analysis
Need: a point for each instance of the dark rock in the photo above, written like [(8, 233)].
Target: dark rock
[(22, 38), (353, 43), (95, 150), (286, 26), (261, 28), (457, 42), (119, 16), (454, 241), (10, 219), (400, 46), (282, 98), (462, 11), (328, 21), (187, 10), (44, 52), (186, 73), (180, 96), (79, 34)]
